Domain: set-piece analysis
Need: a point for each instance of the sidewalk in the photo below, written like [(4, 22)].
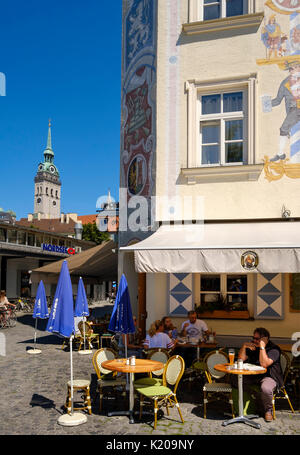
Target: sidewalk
[(33, 391)]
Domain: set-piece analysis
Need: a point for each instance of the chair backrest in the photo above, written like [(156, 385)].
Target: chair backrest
[(100, 356), (160, 355), (88, 329), (173, 371), (213, 358), (285, 364)]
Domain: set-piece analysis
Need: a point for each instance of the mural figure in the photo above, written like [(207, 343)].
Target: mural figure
[(289, 90), (273, 38)]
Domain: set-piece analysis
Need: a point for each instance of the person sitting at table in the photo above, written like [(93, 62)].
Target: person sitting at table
[(133, 342), (156, 337), (169, 328), (263, 352), (194, 328)]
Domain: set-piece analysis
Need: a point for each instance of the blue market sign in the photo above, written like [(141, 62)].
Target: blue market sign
[(58, 249)]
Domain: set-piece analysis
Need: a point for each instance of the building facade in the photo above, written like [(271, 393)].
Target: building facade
[(23, 249), (224, 163)]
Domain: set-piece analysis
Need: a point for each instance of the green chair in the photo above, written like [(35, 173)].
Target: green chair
[(159, 355), (164, 394)]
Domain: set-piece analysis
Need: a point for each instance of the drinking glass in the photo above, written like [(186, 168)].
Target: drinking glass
[(231, 353)]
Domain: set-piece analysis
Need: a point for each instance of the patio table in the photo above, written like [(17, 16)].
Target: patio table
[(197, 345), (224, 367), (141, 366)]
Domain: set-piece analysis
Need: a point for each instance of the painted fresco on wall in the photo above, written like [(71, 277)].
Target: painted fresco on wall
[(138, 100), (281, 38)]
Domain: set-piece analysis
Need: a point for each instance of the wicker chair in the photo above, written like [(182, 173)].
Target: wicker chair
[(164, 394), (160, 355), (281, 392), (214, 385), (89, 335), (113, 380)]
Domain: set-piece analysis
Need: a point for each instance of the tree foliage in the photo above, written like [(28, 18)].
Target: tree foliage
[(91, 232)]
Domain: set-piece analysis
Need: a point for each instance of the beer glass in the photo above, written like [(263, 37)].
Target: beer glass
[(231, 353)]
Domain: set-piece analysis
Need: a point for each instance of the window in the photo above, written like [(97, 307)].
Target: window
[(21, 237), (38, 240), (30, 239), (11, 236), (215, 9), (223, 292), (2, 235), (222, 128)]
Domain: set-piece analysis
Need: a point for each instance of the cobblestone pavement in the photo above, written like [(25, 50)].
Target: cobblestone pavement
[(33, 392)]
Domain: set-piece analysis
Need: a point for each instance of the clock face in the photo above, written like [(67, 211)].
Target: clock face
[(287, 5), (39, 200), (52, 169), (40, 167)]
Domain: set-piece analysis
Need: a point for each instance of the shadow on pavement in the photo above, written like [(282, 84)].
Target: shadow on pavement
[(43, 402)]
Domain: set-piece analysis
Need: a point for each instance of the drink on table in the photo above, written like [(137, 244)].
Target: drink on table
[(231, 354)]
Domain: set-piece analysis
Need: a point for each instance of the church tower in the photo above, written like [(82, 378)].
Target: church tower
[(47, 185)]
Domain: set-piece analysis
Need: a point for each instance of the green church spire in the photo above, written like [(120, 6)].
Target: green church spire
[(48, 153)]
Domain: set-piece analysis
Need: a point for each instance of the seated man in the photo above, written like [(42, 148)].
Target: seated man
[(261, 351), (169, 328), (194, 328)]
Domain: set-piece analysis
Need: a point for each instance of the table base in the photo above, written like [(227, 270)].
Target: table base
[(243, 419), (130, 414)]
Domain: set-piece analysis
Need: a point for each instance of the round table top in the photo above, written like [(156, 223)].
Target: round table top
[(223, 367), (141, 365)]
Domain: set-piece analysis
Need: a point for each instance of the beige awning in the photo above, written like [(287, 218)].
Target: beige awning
[(95, 265), (219, 247)]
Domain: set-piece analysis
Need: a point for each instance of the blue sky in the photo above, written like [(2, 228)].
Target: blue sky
[(61, 60)]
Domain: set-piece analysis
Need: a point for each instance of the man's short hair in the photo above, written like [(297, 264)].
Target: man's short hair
[(192, 312), (262, 332)]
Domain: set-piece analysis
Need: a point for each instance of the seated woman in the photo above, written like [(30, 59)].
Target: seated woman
[(156, 337)]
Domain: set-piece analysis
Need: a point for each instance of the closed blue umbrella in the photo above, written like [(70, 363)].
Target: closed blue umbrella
[(82, 309), (61, 319), (61, 322), (40, 311), (122, 321), (121, 318)]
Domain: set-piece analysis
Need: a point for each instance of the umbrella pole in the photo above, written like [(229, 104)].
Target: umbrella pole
[(71, 368), (84, 318), (35, 332)]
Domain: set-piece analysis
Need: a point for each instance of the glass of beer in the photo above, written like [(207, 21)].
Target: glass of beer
[(231, 353)]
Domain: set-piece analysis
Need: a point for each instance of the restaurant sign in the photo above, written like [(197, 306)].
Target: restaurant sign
[(58, 249), (249, 260)]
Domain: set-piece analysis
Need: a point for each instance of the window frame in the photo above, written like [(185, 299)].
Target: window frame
[(223, 7), (196, 9), (191, 169), (222, 117), (223, 288)]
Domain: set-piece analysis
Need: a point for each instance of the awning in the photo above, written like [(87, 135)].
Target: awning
[(94, 265), (220, 248)]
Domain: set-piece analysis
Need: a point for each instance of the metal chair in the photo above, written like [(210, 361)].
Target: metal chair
[(160, 355), (105, 377), (164, 394), (281, 393), (90, 336), (214, 385)]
